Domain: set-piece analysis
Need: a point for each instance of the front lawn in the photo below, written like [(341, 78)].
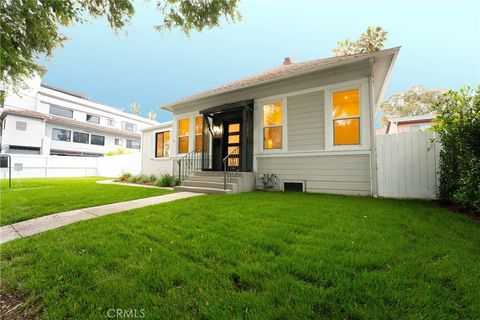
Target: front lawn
[(31, 198), (255, 255)]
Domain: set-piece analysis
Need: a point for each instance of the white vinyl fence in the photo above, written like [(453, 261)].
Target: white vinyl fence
[(407, 165), (37, 166)]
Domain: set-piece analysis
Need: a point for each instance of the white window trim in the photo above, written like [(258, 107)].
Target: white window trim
[(362, 85), (191, 132), (258, 118)]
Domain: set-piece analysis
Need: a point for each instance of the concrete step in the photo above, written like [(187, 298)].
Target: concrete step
[(202, 190), (208, 184), (212, 179), (213, 173)]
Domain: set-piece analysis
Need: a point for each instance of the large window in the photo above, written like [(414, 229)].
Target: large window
[(97, 140), (346, 117), (162, 144), (272, 125), (93, 119), (62, 112), (133, 144), (198, 133), (61, 135), (129, 126), (183, 132), (80, 137)]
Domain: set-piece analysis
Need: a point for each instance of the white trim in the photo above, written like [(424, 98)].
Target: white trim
[(191, 132), (362, 85), (313, 153), (258, 124)]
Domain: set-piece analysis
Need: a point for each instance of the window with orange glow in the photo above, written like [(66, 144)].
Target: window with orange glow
[(183, 132), (162, 145), (272, 125), (198, 133), (346, 117)]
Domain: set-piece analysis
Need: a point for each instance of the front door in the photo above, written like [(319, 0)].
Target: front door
[(232, 143)]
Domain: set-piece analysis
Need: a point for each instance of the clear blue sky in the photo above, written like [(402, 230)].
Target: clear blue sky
[(440, 48)]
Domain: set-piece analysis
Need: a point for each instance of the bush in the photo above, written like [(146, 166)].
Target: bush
[(166, 180), (125, 176), (458, 128)]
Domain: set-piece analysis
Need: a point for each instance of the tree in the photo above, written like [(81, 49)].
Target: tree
[(371, 40), (30, 29), (134, 108), (152, 115), (416, 101)]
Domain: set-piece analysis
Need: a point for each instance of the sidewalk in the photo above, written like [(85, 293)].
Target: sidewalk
[(33, 226)]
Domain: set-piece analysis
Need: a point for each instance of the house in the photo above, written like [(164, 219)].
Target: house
[(305, 126), (409, 124), (46, 120)]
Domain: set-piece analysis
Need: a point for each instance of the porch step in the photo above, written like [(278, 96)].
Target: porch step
[(213, 174), (208, 184), (202, 189)]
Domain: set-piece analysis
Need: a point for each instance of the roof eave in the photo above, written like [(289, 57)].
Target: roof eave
[(395, 50)]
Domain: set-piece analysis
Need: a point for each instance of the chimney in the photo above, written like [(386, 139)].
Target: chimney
[(286, 61)]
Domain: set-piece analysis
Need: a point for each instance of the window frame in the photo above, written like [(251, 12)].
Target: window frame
[(70, 136), (59, 107), (96, 144), (124, 126), (155, 155), (92, 116), (132, 140), (111, 122), (198, 134), (189, 118), (18, 122), (364, 116), (260, 116), (88, 137), (118, 144)]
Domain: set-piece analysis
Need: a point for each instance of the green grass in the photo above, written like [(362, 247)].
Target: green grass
[(31, 198), (257, 256)]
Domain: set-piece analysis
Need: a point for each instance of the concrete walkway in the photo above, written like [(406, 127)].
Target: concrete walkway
[(33, 226)]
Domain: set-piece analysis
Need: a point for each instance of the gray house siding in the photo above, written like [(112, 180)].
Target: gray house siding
[(306, 122), (311, 80), (342, 174)]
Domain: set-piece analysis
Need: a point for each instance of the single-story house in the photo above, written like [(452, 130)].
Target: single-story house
[(409, 124), (306, 126)]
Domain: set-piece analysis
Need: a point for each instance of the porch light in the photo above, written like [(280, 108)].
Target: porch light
[(217, 131)]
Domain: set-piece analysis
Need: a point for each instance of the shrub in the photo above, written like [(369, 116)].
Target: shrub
[(166, 180), (458, 128), (176, 182), (125, 176), (132, 179)]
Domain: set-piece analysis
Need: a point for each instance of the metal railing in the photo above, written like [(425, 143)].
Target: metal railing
[(231, 166), (189, 163)]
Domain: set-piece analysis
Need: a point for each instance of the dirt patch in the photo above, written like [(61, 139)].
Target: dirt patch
[(15, 306)]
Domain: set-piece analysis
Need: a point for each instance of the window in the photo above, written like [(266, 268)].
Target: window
[(162, 144), (62, 112), (118, 142), (183, 131), (272, 126), (80, 137), (198, 133), (97, 140), (111, 122), (61, 135), (133, 144), (346, 117), (93, 119), (129, 126), (21, 126)]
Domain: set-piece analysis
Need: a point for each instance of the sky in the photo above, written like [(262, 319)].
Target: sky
[(440, 48)]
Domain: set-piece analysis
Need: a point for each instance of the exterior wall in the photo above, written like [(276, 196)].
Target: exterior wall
[(342, 174), (32, 137), (306, 122), (150, 164)]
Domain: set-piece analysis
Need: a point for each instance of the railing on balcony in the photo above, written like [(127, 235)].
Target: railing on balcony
[(231, 166), (189, 163)]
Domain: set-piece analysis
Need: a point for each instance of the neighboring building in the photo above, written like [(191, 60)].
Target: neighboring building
[(46, 120), (301, 126), (409, 124)]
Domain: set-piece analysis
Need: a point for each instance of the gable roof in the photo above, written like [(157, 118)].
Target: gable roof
[(280, 72), (69, 122)]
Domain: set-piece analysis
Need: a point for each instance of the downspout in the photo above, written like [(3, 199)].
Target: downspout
[(373, 146)]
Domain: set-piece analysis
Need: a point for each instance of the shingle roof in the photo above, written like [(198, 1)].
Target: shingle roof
[(413, 118), (276, 73), (70, 122)]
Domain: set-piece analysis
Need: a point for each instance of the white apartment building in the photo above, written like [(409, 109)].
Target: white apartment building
[(46, 120)]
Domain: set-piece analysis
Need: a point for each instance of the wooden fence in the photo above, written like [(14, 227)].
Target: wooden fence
[(407, 165)]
